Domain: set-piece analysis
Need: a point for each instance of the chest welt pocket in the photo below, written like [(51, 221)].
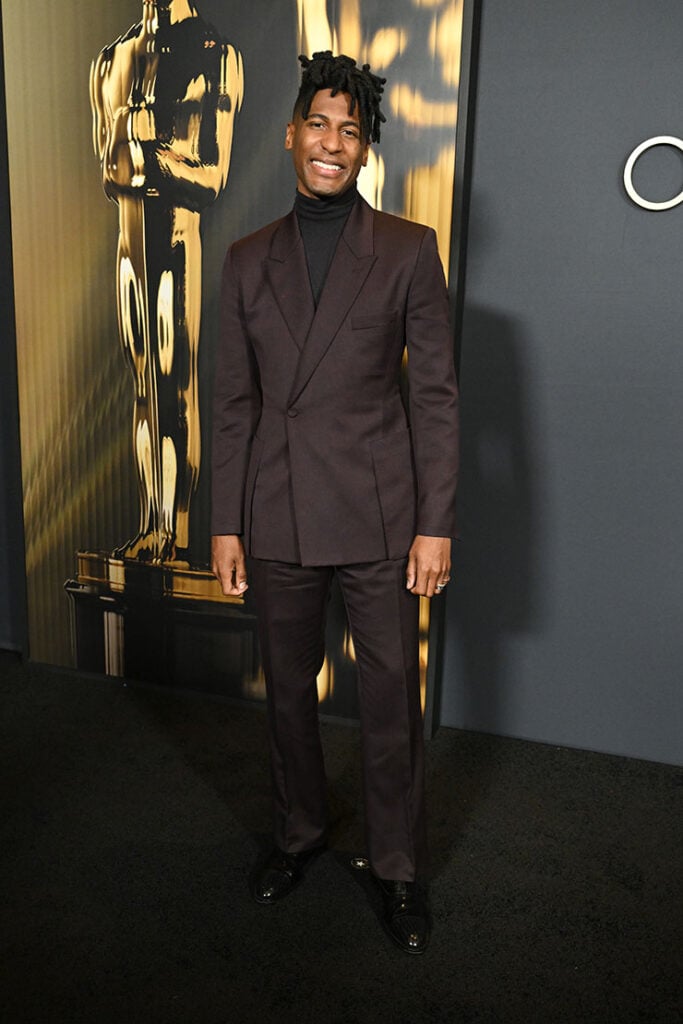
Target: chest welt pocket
[(381, 320)]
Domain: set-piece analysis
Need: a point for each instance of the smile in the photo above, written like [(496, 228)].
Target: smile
[(327, 168)]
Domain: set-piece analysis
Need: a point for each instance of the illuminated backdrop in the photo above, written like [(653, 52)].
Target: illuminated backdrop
[(82, 483)]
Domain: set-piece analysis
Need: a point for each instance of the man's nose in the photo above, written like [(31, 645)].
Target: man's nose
[(332, 141)]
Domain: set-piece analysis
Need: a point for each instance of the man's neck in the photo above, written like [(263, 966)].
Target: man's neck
[(345, 198)]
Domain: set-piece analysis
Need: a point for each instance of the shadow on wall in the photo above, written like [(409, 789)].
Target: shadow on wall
[(496, 562)]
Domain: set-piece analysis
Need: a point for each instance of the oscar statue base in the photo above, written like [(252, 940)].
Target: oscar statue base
[(167, 624)]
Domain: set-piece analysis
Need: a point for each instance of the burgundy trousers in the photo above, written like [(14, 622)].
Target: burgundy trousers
[(291, 604)]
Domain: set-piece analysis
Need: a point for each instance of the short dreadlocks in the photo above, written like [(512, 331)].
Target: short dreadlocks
[(341, 74)]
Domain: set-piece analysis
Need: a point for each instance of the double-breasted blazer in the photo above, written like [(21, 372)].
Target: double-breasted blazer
[(318, 455)]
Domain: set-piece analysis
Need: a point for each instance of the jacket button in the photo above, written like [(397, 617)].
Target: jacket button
[(292, 413)]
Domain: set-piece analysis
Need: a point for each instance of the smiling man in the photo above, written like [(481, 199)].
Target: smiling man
[(320, 468), (328, 147)]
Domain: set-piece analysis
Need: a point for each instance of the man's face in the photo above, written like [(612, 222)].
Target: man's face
[(328, 149)]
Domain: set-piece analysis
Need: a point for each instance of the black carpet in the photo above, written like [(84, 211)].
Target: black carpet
[(131, 818)]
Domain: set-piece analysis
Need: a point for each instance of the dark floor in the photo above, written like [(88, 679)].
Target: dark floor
[(132, 816)]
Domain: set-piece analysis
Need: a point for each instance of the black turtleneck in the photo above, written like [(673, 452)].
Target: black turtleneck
[(321, 222)]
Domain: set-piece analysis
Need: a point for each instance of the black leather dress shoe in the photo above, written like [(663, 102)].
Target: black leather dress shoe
[(406, 917), (280, 873)]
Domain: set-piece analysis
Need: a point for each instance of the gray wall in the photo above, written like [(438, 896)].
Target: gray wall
[(566, 621)]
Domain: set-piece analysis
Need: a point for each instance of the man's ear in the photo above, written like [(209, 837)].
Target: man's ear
[(366, 154), (289, 135)]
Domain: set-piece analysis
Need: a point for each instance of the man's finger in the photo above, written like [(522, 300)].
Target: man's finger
[(241, 582), (411, 571)]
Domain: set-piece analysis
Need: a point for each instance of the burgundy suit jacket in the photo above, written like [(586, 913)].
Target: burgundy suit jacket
[(316, 458)]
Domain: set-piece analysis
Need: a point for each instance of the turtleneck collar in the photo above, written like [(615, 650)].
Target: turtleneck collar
[(329, 208)]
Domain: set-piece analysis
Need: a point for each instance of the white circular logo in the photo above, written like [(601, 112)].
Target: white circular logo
[(658, 140)]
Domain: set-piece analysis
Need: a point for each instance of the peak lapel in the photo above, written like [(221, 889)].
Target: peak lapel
[(288, 276), (348, 271)]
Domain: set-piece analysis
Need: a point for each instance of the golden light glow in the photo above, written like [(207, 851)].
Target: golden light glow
[(255, 688), (143, 457), (325, 681), (169, 464), (132, 321), (315, 31), (386, 46), (349, 649), (142, 123), (180, 10), (423, 647), (410, 105), (446, 41), (165, 322), (371, 179), (195, 90), (423, 187), (349, 34)]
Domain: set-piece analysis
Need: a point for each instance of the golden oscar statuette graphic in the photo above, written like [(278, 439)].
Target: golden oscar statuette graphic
[(164, 98)]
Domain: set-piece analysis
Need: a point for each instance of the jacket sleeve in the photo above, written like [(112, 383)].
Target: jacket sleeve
[(433, 393), (236, 408)]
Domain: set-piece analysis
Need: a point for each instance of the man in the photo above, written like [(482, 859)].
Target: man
[(318, 469), (164, 100)]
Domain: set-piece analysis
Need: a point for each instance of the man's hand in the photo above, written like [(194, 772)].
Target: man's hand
[(228, 564), (429, 565)]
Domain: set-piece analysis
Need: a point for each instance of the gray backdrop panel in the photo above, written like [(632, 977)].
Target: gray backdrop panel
[(565, 623)]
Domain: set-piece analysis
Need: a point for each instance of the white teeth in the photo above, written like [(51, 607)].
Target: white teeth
[(328, 167)]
